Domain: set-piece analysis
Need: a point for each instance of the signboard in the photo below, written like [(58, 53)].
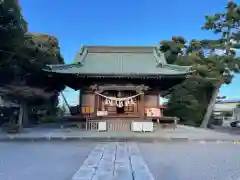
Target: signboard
[(153, 112), (102, 113), (87, 110)]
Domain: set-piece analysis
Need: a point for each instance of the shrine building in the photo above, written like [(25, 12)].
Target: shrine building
[(123, 82)]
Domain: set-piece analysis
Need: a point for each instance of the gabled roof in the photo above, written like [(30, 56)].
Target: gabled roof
[(120, 61)]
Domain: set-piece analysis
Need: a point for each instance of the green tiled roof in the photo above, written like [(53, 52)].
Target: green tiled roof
[(120, 60)]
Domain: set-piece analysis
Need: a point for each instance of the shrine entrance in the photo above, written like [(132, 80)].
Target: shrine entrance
[(119, 103), (120, 110)]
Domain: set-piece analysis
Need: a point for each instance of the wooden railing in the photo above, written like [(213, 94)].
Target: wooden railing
[(112, 125), (119, 125)]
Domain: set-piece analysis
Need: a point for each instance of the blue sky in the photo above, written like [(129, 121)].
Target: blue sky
[(125, 22)]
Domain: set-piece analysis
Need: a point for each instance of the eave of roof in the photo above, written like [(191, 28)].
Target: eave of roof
[(64, 69), (226, 101)]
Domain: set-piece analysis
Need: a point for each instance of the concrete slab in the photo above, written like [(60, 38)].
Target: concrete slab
[(139, 167), (123, 169), (105, 167), (88, 169)]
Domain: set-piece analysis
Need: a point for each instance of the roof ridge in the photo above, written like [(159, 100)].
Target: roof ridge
[(117, 46), (119, 49)]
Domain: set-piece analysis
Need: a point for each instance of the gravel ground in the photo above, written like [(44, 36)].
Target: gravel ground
[(192, 161), (42, 160)]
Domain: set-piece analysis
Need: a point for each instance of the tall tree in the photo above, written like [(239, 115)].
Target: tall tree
[(227, 25), (22, 57), (211, 70), (210, 65), (189, 96)]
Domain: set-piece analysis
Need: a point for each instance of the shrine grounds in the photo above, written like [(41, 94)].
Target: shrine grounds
[(181, 133), (70, 154), (165, 160)]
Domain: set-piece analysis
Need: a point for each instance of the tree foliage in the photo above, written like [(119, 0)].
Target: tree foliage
[(214, 62), (24, 69), (22, 58), (12, 25)]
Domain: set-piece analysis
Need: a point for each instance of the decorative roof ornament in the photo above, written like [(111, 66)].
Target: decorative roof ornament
[(158, 47), (82, 50), (162, 63), (94, 87), (236, 66), (141, 88), (160, 56), (80, 57)]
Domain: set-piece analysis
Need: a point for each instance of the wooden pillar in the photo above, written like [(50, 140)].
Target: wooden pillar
[(158, 100), (95, 104), (142, 106), (87, 102), (158, 106), (93, 89), (80, 100), (141, 89)]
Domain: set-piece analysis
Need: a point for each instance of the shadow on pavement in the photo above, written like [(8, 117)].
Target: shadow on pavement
[(229, 130)]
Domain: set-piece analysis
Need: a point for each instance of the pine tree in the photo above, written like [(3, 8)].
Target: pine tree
[(197, 95)]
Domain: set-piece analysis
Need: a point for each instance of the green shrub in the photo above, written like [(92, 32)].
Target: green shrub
[(48, 119)]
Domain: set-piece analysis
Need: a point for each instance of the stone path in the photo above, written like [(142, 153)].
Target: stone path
[(114, 161)]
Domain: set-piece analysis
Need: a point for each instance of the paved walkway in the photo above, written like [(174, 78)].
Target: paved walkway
[(116, 161), (181, 133)]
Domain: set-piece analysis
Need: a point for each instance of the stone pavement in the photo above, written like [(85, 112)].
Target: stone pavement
[(181, 133), (166, 160), (116, 161)]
